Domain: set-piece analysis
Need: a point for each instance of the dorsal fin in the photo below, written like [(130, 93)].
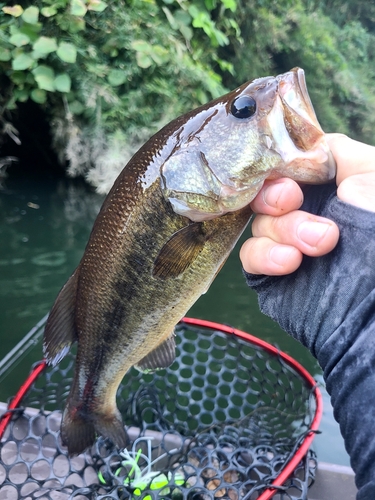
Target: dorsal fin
[(180, 251), (161, 357), (60, 332)]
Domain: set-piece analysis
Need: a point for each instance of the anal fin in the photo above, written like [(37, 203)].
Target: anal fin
[(59, 332), (161, 357)]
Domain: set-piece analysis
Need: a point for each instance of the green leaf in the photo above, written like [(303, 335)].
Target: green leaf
[(39, 96), (22, 61), (182, 17), (186, 32), (18, 77), (44, 77), (76, 107), (180, 20), (230, 4), (19, 39), (35, 54), (13, 29), (11, 104), (100, 70), (210, 4), (201, 19), (76, 24), (78, 8), (30, 78), (31, 30), (220, 38), (45, 45), (42, 69), (96, 5), (141, 46), (170, 17), (48, 11), (21, 95), (116, 77), (67, 52), (143, 60), (63, 83), (30, 15), (5, 55), (195, 12), (15, 11), (225, 65), (159, 54)]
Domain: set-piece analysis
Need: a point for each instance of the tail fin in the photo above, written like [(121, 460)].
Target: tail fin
[(78, 429), (77, 432), (111, 426)]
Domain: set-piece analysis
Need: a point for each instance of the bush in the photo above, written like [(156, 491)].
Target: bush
[(338, 59), (110, 74)]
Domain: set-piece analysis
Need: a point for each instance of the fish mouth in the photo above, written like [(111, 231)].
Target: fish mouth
[(299, 116), (297, 134)]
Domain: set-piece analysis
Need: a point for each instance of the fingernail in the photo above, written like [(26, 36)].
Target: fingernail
[(271, 194), (280, 254), (312, 232)]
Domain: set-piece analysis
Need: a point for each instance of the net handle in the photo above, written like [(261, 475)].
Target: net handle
[(287, 470), (290, 467)]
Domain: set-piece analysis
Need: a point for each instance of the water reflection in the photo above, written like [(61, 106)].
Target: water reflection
[(44, 227), (50, 259)]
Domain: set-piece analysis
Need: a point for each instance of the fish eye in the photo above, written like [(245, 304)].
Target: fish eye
[(243, 107)]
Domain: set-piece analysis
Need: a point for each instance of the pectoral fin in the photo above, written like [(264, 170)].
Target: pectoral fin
[(59, 332), (161, 357), (180, 251)]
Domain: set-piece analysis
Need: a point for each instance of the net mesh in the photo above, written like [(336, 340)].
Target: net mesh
[(220, 423)]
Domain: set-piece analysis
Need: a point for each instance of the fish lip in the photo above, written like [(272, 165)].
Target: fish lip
[(306, 139), (301, 81), (294, 95)]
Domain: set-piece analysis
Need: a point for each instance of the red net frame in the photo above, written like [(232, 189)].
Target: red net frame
[(305, 444)]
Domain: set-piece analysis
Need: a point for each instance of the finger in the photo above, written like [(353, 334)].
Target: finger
[(352, 157), (264, 256), (359, 190), (278, 197), (310, 234)]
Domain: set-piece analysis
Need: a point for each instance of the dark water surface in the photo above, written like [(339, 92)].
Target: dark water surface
[(44, 226)]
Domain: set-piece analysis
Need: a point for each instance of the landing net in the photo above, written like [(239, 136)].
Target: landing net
[(232, 418)]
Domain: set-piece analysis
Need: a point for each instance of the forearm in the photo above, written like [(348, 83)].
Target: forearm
[(339, 333)]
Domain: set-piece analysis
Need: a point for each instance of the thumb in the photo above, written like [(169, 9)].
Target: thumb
[(352, 157)]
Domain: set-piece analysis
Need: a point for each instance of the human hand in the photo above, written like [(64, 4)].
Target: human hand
[(282, 233)]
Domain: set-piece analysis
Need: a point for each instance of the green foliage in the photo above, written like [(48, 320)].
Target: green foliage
[(338, 60), (111, 73), (24, 47), (114, 43), (101, 68)]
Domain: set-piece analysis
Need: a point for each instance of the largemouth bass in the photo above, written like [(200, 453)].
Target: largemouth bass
[(164, 231)]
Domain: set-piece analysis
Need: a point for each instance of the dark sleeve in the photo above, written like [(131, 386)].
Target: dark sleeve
[(328, 304)]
